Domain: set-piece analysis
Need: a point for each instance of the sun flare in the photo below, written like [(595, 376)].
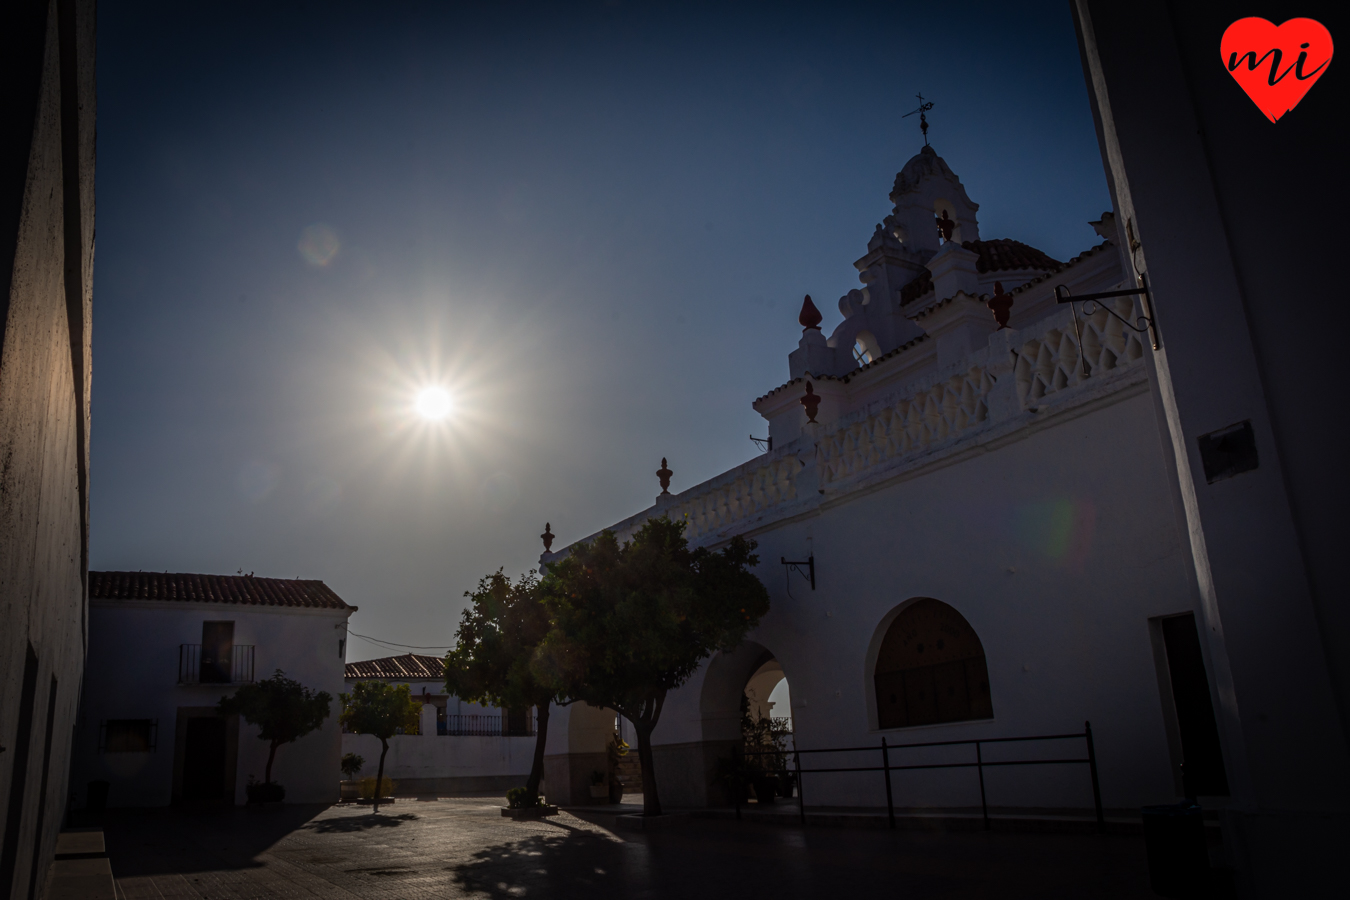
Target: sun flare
[(433, 403)]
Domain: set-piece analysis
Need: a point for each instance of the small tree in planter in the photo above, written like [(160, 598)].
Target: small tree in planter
[(284, 710), (379, 709), (498, 636), (351, 765), (632, 622)]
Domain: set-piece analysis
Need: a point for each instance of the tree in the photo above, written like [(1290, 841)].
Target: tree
[(380, 709), (284, 711), (498, 636), (632, 622), (351, 765)]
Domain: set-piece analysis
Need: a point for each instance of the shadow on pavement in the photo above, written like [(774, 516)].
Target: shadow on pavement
[(358, 823), (182, 841)]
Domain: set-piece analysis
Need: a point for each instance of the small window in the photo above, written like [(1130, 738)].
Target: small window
[(342, 647), (130, 735)]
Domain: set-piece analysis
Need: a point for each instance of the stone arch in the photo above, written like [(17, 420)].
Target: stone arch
[(927, 666), (724, 685)]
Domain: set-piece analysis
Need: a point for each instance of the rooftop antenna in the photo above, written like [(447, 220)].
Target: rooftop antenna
[(923, 119)]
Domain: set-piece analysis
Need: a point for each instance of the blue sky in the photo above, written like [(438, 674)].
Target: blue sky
[(592, 222)]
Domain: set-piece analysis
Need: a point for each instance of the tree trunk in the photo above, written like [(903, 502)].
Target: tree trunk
[(379, 775), (271, 755), (537, 769), (651, 803), (644, 724)]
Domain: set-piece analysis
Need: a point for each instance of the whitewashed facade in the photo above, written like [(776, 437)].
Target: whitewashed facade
[(985, 468), (460, 747), (148, 723)]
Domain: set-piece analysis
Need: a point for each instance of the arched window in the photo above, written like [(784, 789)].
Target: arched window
[(931, 669)]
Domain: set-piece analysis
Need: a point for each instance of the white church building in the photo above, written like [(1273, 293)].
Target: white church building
[(983, 532)]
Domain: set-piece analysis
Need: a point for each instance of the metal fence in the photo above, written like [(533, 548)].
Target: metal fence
[(507, 724), (979, 764)]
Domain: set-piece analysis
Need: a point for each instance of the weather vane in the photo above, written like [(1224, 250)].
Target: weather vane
[(923, 119)]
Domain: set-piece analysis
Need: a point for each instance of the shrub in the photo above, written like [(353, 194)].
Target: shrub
[(367, 788), (523, 798), (264, 792), (597, 777)]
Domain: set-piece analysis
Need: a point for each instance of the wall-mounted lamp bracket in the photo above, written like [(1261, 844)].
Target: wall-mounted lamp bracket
[(790, 566), (1141, 324), (764, 444)]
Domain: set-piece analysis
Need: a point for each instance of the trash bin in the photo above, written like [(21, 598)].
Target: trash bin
[(1178, 860), (96, 796)]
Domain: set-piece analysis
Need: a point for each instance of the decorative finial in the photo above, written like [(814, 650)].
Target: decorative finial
[(810, 316), (1001, 304), (548, 537), (664, 474), (812, 403), (923, 119), (945, 226)]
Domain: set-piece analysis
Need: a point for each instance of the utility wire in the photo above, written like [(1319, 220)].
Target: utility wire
[(392, 644)]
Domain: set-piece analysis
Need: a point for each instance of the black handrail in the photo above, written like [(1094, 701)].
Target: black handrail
[(979, 765)]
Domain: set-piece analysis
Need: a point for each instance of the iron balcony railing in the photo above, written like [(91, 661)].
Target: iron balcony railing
[(979, 763), (233, 667)]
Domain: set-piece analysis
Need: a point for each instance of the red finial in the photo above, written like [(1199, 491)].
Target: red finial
[(812, 403), (664, 474), (548, 537), (1001, 304), (810, 317)]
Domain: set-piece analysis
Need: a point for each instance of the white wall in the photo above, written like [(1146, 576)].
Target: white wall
[(1062, 611), (132, 673), (423, 756)]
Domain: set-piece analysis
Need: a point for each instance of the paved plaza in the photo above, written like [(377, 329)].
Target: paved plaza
[(464, 848)]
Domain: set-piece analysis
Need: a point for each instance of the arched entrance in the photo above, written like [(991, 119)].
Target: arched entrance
[(930, 669), (744, 692)]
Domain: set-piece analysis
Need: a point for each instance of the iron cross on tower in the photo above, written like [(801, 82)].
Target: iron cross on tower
[(923, 119)]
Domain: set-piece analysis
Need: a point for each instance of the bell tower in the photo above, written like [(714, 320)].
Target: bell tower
[(924, 189)]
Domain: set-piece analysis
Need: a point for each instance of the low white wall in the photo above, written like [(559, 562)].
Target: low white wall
[(446, 763)]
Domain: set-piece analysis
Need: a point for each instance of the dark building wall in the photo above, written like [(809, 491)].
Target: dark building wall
[(46, 268), (1237, 221)]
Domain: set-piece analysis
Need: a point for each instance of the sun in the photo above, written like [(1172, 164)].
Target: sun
[(433, 403)]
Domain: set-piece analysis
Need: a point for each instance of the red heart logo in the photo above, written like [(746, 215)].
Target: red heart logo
[(1276, 65)]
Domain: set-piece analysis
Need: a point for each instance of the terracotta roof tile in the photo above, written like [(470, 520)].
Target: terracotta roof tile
[(1003, 253), (243, 590), (409, 665)]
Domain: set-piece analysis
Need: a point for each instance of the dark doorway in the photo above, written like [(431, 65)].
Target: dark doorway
[(204, 760), (1202, 770), (217, 652)]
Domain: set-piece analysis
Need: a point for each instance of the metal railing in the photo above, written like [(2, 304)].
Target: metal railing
[(192, 669), (503, 725), (979, 764)]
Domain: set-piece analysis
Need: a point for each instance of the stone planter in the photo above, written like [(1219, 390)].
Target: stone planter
[(529, 812), (615, 792), (351, 790), (599, 792)]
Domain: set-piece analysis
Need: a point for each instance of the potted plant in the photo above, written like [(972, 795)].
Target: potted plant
[(351, 767), (261, 792), (599, 786)]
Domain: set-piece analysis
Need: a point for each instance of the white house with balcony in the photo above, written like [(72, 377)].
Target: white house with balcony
[(967, 533), (459, 747), (164, 648)]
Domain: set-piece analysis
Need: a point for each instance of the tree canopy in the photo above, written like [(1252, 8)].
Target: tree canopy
[(284, 710), (499, 634), (632, 621)]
